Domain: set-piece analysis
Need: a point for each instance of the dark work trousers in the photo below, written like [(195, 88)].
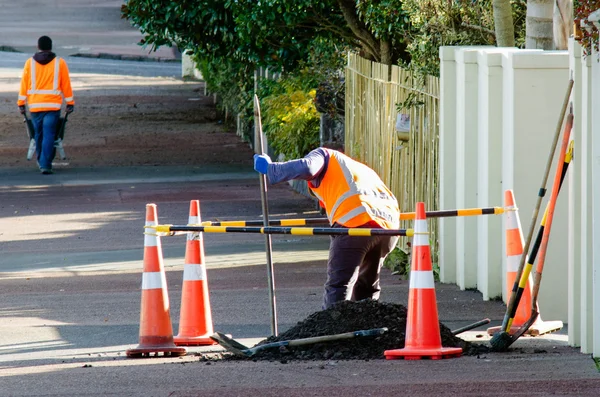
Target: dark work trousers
[(353, 267)]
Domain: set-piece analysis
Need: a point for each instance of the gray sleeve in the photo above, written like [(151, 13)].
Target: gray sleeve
[(307, 168)]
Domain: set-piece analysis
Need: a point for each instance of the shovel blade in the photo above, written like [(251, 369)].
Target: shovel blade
[(230, 344)]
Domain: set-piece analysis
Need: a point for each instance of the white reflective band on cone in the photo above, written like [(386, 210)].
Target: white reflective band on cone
[(512, 263), (194, 272), (511, 221), (421, 279), (420, 240), (152, 280), (193, 220), (150, 240)]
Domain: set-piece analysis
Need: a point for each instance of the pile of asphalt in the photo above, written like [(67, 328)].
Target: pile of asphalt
[(350, 316)]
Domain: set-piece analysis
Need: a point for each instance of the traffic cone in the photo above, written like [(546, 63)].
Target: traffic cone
[(156, 331), (422, 337), (514, 251), (195, 320)]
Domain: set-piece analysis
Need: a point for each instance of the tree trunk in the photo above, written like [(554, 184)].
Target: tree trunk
[(538, 26), (385, 49), (503, 23), (563, 23)]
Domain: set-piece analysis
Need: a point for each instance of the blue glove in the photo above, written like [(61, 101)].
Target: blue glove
[(261, 163)]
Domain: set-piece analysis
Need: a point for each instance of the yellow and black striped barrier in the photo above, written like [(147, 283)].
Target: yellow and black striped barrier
[(170, 230), (406, 216)]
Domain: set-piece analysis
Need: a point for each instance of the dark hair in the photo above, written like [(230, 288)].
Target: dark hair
[(44, 43)]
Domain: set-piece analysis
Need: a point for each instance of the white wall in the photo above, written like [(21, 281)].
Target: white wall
[(535, 84), (491, 256), (447, 228), (516, 101), (595, 162), (466, 165)]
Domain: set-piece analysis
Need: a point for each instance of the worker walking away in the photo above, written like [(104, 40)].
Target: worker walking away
[(354, 196), (44, 85)]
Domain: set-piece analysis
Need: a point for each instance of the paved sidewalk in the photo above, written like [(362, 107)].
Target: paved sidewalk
[(84, 27)]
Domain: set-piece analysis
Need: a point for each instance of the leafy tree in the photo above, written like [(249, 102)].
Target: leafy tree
[(586, 37), (436, 23), (274, 33)]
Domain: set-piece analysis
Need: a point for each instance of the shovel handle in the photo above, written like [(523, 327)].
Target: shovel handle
[(327, 338)]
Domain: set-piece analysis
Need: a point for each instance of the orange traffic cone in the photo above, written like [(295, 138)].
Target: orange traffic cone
[(514, 251), (156, 331), (195, 320), (422, 337)]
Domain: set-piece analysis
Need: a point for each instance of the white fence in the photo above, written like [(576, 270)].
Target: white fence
[(499, 112)]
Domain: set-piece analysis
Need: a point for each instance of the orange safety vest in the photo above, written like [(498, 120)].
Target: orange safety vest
[(353, 194), (45, 86)]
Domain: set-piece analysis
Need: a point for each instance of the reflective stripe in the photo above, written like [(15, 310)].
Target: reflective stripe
[(420, 239), (153, 280), (56, 72), (45, 92), (421, 279), (512, 263), (194, 272), (511, 221), (193, 220), (69, 99), (22, 97), (354, 213), (343, 198), (32, 67), (44, 105), (149, 239)]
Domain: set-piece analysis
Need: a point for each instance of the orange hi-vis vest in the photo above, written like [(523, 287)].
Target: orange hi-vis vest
[(45, 86), (353, 194)]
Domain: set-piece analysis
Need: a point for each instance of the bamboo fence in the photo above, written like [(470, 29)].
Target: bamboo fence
[(410, 167)]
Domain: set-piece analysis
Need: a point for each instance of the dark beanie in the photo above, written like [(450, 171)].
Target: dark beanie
[(45, 43)]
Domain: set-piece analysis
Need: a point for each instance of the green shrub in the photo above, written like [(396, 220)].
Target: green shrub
[(289, 118)]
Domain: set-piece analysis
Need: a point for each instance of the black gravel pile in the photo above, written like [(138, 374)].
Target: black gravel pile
[(350, 316)]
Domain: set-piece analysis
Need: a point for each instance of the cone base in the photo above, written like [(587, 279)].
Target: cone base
[(185, 340), (538, 328), (423, 353), (156, 351)]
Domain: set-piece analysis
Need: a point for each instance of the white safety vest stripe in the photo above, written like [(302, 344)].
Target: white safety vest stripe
[(44, 105)]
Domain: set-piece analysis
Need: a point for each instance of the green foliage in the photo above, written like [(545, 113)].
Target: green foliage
[(389, 22), (436, 23), (398, 261), (289, 117), (581, 10)]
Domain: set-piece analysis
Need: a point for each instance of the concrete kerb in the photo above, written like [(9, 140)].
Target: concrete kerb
[(123, 57)]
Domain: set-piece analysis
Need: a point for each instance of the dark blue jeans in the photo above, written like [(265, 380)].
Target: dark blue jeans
[(353, 267), (44, 124)]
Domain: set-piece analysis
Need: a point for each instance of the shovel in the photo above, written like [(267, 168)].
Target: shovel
[(241, 350)]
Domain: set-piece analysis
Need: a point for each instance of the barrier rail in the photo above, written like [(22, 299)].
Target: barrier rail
[(171, 230), (403, 217)]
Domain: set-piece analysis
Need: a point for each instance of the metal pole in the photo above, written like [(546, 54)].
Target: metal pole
[(259, 149)]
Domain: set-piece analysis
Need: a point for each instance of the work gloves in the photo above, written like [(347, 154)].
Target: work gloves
[(22, 109), (261, 163), (70, 108)]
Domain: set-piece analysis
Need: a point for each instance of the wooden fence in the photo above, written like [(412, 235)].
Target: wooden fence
[(399, 142)]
